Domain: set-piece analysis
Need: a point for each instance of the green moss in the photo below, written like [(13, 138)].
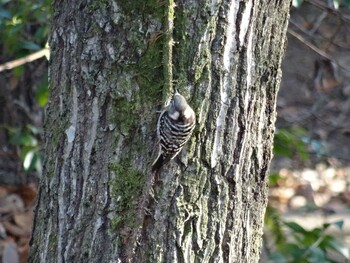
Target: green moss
[(186, 56), (116, 221), (191, 147), (154, 7), (52, 240), (126, 187), (50, 173), (124, 116), (139, 87), (183, 57), (98, 5), (149, 72)]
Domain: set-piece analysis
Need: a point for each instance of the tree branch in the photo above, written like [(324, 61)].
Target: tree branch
[(308, 44), (329, 10), (21, 61), (315, 49)]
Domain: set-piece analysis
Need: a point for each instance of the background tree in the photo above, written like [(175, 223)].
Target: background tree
[(23, 92), (112, 64)]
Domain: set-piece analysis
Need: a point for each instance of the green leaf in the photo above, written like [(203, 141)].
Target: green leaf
[(297, 3), (42, 97), (41, 33), (340, 247), (293, 141), (279, 150), (30, 45), (294, 251), (274, 225), (24, 139), (42, 93), (316, 255), (275, 178), (339, 224), (34, 130), (32, 160), (278, 257), (18, 71), (4, 13), (336, 4), (326, 225), (28, 160), (310, 237), (296, 227)]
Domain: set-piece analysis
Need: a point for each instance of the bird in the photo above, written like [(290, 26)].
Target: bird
[(174, 128)]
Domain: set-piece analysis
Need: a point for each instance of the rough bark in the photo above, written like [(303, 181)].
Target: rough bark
[(112, 64)]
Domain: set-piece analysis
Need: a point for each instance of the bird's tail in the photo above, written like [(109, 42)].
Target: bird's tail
[(158, 163)]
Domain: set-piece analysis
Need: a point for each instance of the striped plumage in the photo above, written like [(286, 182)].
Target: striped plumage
[(175, 127)]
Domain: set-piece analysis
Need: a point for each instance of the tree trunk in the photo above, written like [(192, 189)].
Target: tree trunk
[(113, 64)]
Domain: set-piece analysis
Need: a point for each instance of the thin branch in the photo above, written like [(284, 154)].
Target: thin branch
[(319, 35), (308, 44), (331, 40), (21, 61), (316, 49), (329, 9), (306, 31), (318, 22)]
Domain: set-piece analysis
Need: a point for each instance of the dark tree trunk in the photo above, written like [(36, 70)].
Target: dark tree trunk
[(113, 64)]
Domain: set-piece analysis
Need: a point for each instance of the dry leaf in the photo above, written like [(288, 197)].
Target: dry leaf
[(3, 191), (28, 194), (12, 203), (24, 252), (24, 220), (16, 230)]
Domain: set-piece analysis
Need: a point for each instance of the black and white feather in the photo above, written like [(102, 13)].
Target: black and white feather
[(174, 129)]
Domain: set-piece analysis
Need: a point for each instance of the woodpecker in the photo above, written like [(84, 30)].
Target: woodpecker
[(174, 129)]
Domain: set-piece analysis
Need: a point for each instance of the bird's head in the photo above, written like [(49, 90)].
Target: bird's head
[(179, 108)]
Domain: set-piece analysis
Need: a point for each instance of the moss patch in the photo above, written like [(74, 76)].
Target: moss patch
[(126, 188), (141, 7), (149, 71), (98, 5), (124, 115)]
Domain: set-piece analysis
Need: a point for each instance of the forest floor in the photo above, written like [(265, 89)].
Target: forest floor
[(312, 180)]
